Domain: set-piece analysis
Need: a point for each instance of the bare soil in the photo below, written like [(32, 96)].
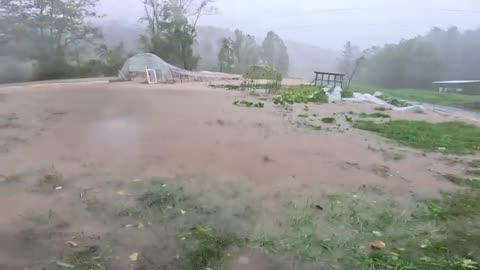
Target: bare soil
[(67, 150)]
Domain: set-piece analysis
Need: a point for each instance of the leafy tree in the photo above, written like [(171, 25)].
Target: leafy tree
[(439, 55), (350, 61), (226, 57), (53, 25), (275, 52), (246, 50), (411, 63), (171, 29), (47, 30), (113, 58)]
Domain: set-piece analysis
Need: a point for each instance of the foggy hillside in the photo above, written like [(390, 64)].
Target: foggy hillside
[(304, 58)]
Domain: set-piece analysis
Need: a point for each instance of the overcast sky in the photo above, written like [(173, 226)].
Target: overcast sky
[(327, 24)]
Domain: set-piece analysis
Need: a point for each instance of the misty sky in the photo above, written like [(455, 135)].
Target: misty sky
[(328, 24)]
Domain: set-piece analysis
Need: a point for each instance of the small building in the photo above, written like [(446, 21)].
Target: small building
[(471, 87)]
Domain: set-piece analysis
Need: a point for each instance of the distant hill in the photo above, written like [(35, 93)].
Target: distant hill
[(304, 58)]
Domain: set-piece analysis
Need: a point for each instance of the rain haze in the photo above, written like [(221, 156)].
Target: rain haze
[(327, 24), (239, 134)]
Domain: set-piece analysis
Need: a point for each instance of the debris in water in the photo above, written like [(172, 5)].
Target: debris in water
[(328, 120), (64, 265), (133, 257), (319, 207), (71, 243), (137, 180), (243, 260), (183, 212), (377, 245), (59, 188), (248, 104), (377, 233)]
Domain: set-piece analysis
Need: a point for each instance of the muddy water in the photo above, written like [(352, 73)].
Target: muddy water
[(98, 135)]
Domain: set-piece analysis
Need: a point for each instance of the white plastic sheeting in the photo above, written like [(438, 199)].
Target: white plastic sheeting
[(139, 63), (414, 109), (358, 97), (335, 95)]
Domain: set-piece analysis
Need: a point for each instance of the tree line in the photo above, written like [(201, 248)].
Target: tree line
[(415, 63), (57, 36), (241, 52)]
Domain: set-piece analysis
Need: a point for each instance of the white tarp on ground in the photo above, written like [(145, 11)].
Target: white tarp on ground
[(137, 64), (359, 97), (414, 109)]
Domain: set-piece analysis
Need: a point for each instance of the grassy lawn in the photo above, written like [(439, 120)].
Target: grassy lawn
[(448, 137), (437, 234), (425, 96), (325, 231)]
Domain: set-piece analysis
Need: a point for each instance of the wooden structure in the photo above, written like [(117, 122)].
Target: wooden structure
[(328, 79)]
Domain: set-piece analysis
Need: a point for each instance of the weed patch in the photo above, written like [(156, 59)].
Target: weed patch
[(438, 234), (88, 258), (448, 137), (206, 247), (347, 93), (165, 202), (301, 94)]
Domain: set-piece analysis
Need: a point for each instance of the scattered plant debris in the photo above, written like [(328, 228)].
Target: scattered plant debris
[(267, 159), (463, 181), (225, 86), (382, 109), (245, 103), (374, 115), (378, 245), (328, 120)]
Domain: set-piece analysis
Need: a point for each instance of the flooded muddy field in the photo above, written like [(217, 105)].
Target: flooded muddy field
[(131, 176)]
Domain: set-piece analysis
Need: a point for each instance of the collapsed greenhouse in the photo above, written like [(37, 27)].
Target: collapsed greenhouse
[(154, 69)]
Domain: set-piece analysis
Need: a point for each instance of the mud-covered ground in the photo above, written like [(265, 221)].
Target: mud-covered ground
[(78, 160)]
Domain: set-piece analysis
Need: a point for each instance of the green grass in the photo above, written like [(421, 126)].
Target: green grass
[(447, 137), (347, 93), (161, 201), (425, 96), (206, 247), (463, 181), (87, 258), (437, 234)]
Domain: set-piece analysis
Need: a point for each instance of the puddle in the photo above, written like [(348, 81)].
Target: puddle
[(121, 135)]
